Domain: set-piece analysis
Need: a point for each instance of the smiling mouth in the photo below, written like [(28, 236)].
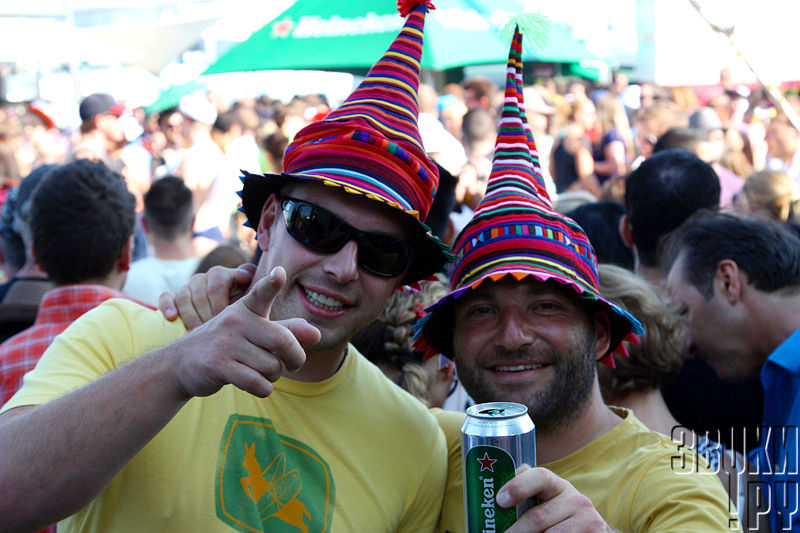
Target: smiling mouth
[(518, 368), (322, 301)]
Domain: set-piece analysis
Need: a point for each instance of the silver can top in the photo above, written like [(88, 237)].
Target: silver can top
[(497, 410)]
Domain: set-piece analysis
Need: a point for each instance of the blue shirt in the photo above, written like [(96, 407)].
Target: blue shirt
[(777, 456)]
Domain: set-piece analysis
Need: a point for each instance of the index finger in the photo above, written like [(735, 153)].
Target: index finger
[(260, 297), (527, 483)]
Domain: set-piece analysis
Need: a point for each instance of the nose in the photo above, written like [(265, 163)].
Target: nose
[(515, 331), (343, 265)]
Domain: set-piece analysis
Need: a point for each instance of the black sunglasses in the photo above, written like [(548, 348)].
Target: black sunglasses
[(324, 232)]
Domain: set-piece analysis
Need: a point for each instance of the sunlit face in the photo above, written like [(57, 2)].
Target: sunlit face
[(330, 291), (782, 140), (111, 127), (528, 342), (713, 333)]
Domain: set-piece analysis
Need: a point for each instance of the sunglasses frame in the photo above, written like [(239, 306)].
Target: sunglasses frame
[(363, 238)]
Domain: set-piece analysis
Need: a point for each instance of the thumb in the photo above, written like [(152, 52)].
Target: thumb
[(260, 297), (305, 333)]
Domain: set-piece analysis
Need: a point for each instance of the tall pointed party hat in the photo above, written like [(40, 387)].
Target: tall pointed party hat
[(516, 232), (371, 146)]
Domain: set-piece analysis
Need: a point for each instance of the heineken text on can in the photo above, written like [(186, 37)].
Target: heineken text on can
[(496, 438)]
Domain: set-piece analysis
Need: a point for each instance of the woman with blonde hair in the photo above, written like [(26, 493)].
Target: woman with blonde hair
[(611, 152), (571, 161), (770, 194), (387, 342)]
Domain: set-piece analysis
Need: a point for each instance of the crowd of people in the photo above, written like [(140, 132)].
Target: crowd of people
[(619, 259)]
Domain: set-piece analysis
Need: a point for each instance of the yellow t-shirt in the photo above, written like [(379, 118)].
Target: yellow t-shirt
[(452, 518), (351, 453), (637, 479)]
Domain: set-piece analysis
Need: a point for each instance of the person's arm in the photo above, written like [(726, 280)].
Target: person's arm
[(614, 163), (584, 166), (56, 457), (560, 506)]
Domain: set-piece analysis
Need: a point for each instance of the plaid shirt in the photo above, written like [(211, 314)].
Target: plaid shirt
[(60, 307)]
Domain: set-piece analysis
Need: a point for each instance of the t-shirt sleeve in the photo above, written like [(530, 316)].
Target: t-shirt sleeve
[(97, 343), (684, 499), (452, 518), (423, 512), (612, 136)]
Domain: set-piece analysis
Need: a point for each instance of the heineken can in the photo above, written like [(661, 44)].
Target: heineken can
[(496, 438)]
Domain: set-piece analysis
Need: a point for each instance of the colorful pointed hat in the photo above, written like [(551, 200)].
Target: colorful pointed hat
[(516, 232), (371, 146)]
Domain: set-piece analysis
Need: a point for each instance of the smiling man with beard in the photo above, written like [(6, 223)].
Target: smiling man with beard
[(525, 322)]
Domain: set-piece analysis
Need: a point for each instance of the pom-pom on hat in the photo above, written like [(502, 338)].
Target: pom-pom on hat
[(371, 146), (516, 232)]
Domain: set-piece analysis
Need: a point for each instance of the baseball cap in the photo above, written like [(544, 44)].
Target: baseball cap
[(99, 103)]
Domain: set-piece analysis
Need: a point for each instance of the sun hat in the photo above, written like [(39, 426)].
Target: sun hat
[(371, 146), (515, 232)]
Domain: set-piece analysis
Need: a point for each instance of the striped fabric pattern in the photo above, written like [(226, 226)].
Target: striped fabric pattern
[(516, 232), (371, 145)]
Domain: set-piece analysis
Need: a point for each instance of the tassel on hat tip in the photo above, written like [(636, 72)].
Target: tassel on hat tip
[(405, 6)]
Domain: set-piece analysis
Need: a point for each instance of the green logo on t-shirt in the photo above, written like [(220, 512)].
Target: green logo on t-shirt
[(269, 482)]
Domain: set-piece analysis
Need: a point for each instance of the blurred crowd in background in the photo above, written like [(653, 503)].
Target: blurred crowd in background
[(589, 137)]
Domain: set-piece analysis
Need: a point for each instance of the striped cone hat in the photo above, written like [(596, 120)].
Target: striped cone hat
[(516, 232), (371, 146)]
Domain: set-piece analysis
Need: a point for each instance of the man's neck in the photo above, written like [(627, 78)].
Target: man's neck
[(595, 420), (652, 274), (320, 365), (775, 317), (182, 248)]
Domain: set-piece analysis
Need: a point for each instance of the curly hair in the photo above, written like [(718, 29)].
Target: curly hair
[(660, 356), (387, 341)]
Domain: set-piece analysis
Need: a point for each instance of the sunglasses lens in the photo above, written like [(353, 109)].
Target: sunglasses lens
[(383, 255), (316, 228), (323, 232)]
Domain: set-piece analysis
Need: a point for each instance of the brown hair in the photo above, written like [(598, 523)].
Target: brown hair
[(660, 356)]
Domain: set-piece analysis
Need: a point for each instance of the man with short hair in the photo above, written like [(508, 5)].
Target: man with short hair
[(738, 281), (479, 92), (168, 221), (81, 218), (102, 135), (525, 322), (659, 195), (165, 445)]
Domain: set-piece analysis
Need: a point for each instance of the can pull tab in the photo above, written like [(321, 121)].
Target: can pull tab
[(493, 412)]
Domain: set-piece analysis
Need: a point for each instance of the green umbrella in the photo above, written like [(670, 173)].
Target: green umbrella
[(325, 35), (171, 96)]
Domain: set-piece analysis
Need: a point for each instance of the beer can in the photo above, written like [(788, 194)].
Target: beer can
[(496, 438)]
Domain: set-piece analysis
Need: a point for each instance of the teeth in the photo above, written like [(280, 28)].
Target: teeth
[(320, 300), (517, 368)]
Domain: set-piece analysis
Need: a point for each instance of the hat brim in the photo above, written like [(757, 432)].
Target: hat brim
[(430, 254), (436, 328)]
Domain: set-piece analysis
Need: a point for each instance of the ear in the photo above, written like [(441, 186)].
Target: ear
[(626, 231), (126, 257), (445, 373), (265, 224), (602, 333), (728, 281)]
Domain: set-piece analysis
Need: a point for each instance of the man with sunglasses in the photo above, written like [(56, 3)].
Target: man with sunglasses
[(130, 423)]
